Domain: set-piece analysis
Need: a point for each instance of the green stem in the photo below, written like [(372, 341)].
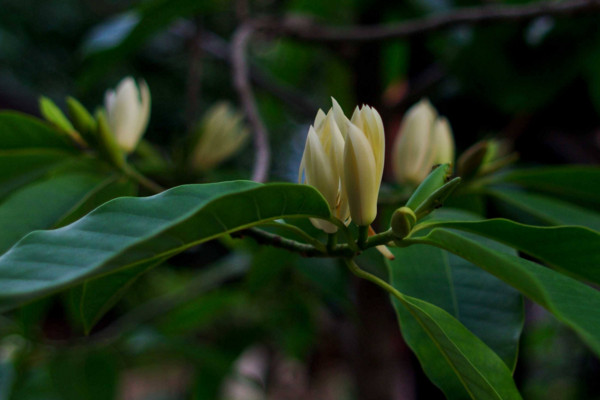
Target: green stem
[(356, 270), (380, 238), (307, 250), (142, 180), (331, 241), (299, 232), (363, 233)]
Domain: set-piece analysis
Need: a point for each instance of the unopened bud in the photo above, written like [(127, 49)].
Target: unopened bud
[(403, 220), (81, 118)]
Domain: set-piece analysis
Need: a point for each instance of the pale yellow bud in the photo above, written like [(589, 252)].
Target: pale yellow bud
[(322, 166), (128, 111), (424, 140), (220, 134), (363, 164), (443, 142)]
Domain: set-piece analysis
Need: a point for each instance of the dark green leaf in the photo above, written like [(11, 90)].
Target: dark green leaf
[(438, 337), (128, 231), (21, 131), (486, 306), (42, 204), (573, 249), (575, 183), (574, 303), (546, 210)]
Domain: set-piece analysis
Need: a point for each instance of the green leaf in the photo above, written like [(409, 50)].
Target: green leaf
[(435, 335), (481, 371), (572, 302), (110, 188), (97, 296), (21, 131), (435, 180), (128, 231), (572, 249), (484, 304), (489, 308), (547, 210), (574, 183), (42, 204), (20, 167)]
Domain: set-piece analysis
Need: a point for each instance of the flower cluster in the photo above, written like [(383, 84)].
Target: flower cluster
[(343, 158)]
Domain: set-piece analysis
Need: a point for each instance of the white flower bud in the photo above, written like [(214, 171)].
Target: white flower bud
[(322, 166), (128, 112), (345, 164), (424, 140), (219, 135), (363, 164)]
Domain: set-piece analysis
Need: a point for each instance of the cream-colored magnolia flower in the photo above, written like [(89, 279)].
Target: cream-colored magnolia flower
[(221, 133), (343, 159), (363, 164), (425, 139), (128, 112), (322, 166)]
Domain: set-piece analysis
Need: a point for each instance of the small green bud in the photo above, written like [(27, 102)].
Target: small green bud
[(403, 220), (82, 119), (435, 180), (107, 143), (56, 117), (436, 199)]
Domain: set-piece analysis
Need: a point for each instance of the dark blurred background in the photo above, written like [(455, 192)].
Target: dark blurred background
[(535, 82)]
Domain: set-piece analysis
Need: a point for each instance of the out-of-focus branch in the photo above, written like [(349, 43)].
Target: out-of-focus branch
[(241, 80), (305, 29), (219, 48), (308, 30)]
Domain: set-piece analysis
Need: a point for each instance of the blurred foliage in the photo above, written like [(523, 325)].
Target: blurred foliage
[(535, 83)]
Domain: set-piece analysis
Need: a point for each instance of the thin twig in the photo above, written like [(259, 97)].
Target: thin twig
[(262, 156), (217, 47), (304, 29)]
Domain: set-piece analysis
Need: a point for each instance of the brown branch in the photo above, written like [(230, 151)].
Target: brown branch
[(304, 29), (241, 37), (219, 48), (308, 30)]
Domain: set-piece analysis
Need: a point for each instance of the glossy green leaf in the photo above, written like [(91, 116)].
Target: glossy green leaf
[(572, 249), (577, 183), (443, 344), (547, 210), (572, 302), (41, 205), (21, 131), (128, 231), (489, 308), (482, 373)]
